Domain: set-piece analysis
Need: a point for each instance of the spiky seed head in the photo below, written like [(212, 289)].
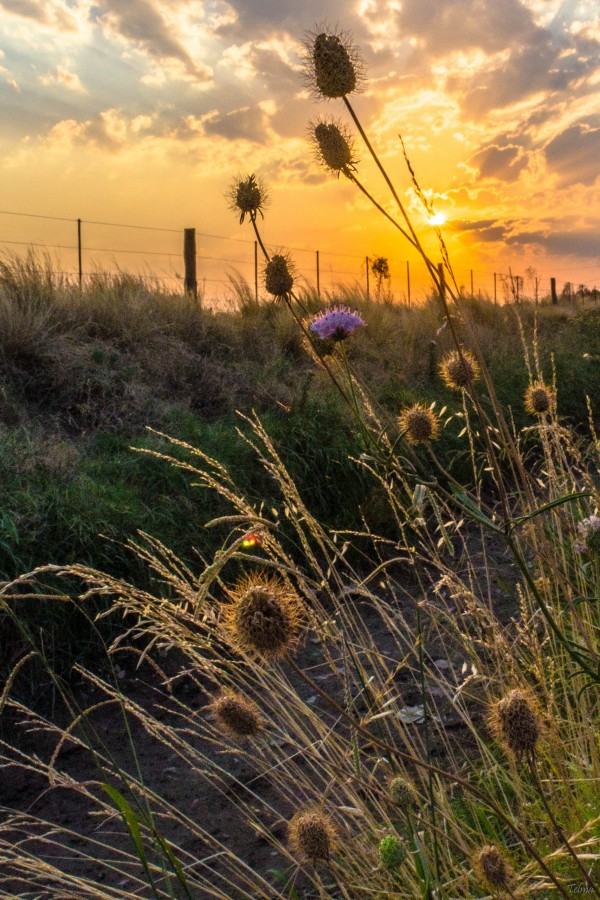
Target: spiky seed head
[(392, 851), (333, 146), (237, 715), (334, 65), (312, 835), (279, 279), (419, 423), (402, 792), (492, 867), (538, 399), (263, 618), (516, 723), (248, 196), (459, 370)]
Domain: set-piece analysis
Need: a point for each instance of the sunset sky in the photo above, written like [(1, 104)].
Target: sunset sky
[(142, 111)]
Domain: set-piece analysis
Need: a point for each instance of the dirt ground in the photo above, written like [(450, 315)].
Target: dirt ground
[(26, 791)]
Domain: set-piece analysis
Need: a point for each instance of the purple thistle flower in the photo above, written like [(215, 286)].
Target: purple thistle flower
[(335, 323)]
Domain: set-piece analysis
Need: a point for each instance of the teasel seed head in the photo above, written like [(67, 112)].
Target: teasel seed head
[(333, 146), (492, 867), (516, 723), (312, 835), (459, 370), (392, 851), (248, 196), (334, 66), (263, 618), (419, 423), (402, 792), (539, 399), (237, 715), (279, 279)]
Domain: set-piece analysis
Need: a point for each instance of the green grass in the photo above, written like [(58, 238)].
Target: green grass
[(84, 374)]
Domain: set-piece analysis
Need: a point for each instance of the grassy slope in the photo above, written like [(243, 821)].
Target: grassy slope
[(83, 374)]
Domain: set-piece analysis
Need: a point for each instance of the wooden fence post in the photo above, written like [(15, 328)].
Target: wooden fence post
[(367, 270), (553, 291), (79, 264), (189, 261), (256, 271)]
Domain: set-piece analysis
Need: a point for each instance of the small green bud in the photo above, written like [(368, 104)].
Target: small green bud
[(392, 852)]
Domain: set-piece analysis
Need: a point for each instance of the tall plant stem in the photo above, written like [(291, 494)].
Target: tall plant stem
[(299, 321), (428, 767), (426, 720), (559, 832), (415, 240)]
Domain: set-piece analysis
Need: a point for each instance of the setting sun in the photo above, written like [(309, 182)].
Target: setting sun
[(437, 219)]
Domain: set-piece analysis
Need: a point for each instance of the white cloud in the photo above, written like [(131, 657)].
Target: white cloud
[(64, 77)]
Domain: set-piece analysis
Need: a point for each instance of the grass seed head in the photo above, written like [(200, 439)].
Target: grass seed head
[(312, 835), (459, 370), (516, 722), (237, 715), (279, 279), (392, 851), (492, 867), (263, 618), (248, 196), (333, 146), (419, 423), (538, 399), (334, 65)]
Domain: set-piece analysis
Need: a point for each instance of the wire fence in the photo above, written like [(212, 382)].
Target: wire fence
[(78, 248)]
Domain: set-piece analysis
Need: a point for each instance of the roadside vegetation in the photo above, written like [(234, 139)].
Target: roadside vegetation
[(367, 536)]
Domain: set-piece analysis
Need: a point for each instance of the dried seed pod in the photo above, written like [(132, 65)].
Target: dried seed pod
[(539, 399), (419, 423), (459, 370), (237, 715), (263, 618), (279, 279), (248, 196), (516, 722), (312, 835), (492, 867), (333, 146), (334, 65)]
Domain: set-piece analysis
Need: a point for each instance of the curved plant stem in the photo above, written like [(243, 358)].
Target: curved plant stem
[(428, 767)]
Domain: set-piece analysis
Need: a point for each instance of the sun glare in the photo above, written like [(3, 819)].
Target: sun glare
[(437, 219)]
